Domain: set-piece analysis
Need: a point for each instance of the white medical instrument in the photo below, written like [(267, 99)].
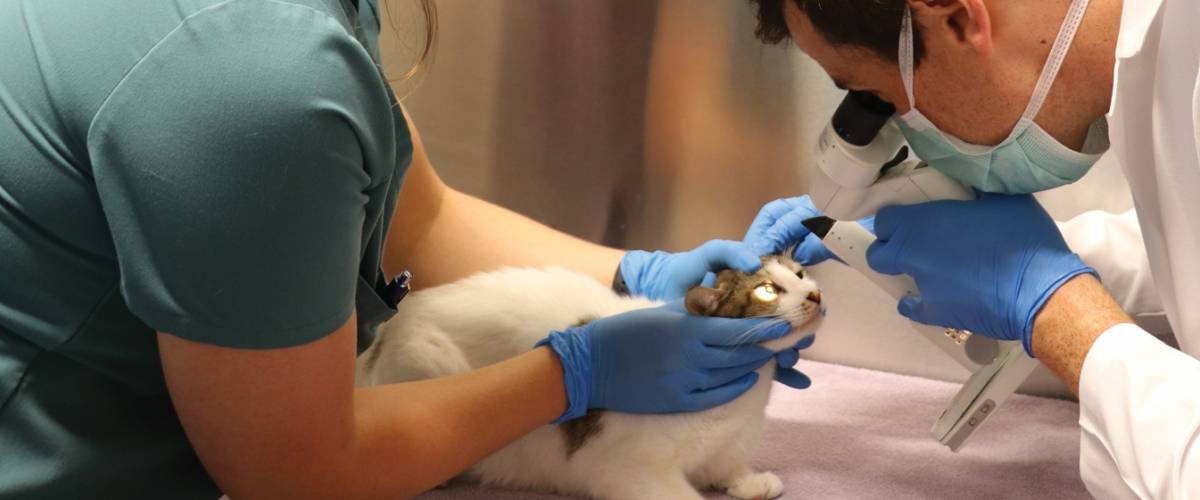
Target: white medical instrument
[(861, 168)]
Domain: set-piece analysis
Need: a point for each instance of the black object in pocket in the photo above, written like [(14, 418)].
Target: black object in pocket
[(372, 311)]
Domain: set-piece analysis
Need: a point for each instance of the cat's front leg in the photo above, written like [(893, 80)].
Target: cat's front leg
[(754, 485), (732, 474), (641, 484)]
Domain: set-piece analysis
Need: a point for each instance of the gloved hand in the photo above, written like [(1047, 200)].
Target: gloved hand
[(668, 276), (778, 226), (987, 265), (660, 360)]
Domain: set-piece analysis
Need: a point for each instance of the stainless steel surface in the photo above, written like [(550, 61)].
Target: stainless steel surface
[(651, 124)]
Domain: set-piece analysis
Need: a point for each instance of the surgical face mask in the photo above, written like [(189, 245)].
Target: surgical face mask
[(1030, 159)]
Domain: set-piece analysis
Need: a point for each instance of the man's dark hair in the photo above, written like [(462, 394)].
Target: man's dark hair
[(873, 25)]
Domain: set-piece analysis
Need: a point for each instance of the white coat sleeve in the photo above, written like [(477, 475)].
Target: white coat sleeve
[(1112, 244), (1140, 418)]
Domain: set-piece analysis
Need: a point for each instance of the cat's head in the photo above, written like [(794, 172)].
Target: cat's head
[(780, 289)]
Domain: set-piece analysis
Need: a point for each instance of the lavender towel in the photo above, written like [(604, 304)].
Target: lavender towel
[(863, 434)]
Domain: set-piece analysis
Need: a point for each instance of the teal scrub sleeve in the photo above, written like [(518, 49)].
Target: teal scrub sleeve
[(232, 164)]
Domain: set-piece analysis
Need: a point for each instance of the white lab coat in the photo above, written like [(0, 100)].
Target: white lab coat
[(1139, 398)]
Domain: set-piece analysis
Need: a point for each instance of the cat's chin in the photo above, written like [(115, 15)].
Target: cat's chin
[(809, 326)]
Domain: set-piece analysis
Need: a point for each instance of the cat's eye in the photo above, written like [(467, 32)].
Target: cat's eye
[(766, 292), (800, 274)]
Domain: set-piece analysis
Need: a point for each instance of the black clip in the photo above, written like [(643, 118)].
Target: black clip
[(397, 289)]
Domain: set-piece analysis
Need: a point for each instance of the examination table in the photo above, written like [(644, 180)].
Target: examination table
[(864, 434)]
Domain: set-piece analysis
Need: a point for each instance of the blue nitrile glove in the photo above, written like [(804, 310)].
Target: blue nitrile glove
[(668, 276), (787, 359), (986, 266), (660, 360), (778, 226)]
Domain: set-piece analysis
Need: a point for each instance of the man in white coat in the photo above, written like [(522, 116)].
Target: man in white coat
[(1018, 96)]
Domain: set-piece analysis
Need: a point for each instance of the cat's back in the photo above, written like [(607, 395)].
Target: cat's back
[(516, 300), (492, 316)]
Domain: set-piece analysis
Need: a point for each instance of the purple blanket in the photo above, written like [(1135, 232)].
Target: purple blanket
[(864, 434)]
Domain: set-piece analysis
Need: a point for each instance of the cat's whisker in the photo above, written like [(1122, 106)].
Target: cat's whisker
[(745, 336)]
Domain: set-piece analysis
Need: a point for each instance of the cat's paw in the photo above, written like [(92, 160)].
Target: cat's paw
[(761, 486)]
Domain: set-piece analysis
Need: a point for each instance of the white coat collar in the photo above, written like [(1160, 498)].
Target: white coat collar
[(1136, 18)]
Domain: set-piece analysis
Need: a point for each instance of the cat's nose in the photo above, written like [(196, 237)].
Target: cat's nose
[(815, 297)]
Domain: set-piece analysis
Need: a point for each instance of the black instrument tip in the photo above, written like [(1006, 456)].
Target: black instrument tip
[(819, 226)]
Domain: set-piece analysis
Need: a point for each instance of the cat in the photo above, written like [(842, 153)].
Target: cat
[(607, 455)]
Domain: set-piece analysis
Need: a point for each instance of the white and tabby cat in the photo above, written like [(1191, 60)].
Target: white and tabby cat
[(490, 317)]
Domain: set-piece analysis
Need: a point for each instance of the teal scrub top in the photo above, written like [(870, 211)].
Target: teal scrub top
[(221, 170)]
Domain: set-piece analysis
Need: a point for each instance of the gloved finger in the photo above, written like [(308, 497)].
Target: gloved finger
[(793, 378), (888, 220), (708, 398), (724, 254), (787, 231), (812, 251), (732, 332), (770, 213), (722, 376), (709, 357), (710, 279), (883, 257), (787, 358), (913, 307), (765, 219)]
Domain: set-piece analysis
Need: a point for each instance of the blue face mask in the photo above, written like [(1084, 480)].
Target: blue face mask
[(1030, 159)]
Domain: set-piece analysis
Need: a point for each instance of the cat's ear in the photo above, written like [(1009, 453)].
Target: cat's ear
[(702, 301)]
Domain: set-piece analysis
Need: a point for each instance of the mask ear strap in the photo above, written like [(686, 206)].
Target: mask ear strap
[(1058, 54), (906, 55)]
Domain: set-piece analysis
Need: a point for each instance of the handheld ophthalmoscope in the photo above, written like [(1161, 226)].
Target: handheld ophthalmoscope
[(862, 166)]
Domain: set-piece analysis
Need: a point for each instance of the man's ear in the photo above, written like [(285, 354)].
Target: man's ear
[(960, 21)]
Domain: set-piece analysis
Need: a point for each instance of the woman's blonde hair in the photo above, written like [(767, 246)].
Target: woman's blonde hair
[(425, 55)]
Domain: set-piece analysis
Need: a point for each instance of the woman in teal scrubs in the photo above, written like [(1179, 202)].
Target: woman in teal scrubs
[(197, 198)]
